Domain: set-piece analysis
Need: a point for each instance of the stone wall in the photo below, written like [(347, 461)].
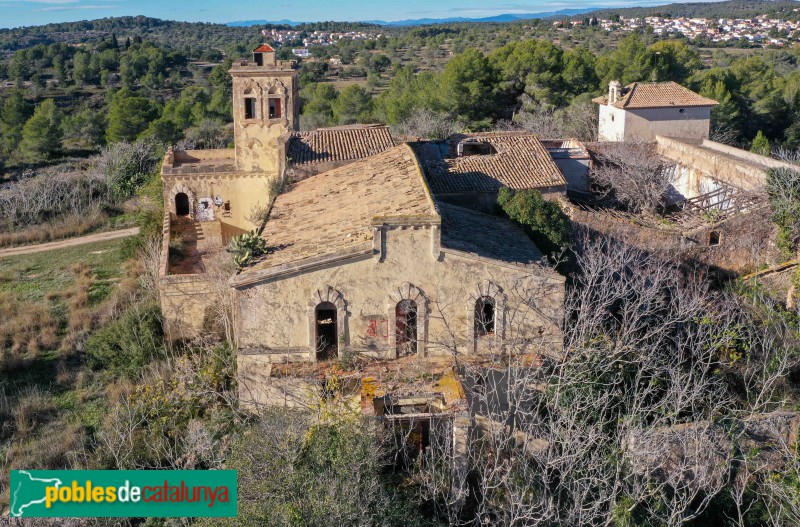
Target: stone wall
[(261, 140), (733, 166), (185, 299), (275, 317)]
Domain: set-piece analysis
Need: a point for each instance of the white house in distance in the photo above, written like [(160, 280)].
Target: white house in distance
[(643, 110)]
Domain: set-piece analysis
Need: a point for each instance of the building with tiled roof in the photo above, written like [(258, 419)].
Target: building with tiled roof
[(365, 258), (643, 110), (363, 255), (471, 168), (326, 148)]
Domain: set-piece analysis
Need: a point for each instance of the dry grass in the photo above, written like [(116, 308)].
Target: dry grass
[(66, 227), (31, 410), (80, 316), (26, 327)]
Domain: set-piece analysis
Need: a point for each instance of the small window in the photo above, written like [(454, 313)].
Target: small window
[(274, 108), (250, 108), (714, 238), (484, 316), (681, 110), (612, 118)]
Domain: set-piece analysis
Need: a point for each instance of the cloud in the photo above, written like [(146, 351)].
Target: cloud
[(76, 7), (45, 1)]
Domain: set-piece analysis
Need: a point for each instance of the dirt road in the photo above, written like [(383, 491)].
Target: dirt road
[(69, 242)]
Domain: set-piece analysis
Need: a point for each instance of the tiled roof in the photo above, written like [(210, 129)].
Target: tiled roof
[(263, 48), (485, 235), (520, 162), (642, 95), (339, 144), (333, 211)]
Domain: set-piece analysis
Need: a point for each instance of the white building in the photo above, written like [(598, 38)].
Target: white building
[(643, 110)]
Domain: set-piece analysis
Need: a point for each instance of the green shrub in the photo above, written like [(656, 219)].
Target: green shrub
[(125, 345), (544, 221)]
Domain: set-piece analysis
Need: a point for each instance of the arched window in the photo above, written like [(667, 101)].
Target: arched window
[(327, 334), (182, 204), (406, 327), (250, 108), (484, 316)]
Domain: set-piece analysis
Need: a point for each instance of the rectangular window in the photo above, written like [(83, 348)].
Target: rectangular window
[(250, 108), (274, 108)]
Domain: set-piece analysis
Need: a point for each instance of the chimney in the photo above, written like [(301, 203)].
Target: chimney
[(614, 91)]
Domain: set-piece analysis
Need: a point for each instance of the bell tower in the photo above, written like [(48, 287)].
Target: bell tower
[(265, 110)]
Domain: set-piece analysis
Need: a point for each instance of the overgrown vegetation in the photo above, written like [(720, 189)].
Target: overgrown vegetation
[(543, 220)]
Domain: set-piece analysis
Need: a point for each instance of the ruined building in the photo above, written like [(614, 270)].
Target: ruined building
[(371, 251)]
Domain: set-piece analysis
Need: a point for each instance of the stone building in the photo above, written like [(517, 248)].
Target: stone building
[(370, 255), (643, 110)]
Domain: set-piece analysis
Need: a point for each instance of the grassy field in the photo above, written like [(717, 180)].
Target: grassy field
[(35, 276)]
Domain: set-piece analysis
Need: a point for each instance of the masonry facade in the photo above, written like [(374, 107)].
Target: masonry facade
[(364, 259)]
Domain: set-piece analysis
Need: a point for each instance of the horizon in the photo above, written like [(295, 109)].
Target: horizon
[(19, 13)]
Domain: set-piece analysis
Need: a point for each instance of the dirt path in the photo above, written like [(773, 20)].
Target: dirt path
[(69, 242)]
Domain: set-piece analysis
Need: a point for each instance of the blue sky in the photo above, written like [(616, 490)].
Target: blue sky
[(15, 13)]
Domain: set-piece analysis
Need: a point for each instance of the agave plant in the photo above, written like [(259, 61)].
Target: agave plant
[(246, 247)]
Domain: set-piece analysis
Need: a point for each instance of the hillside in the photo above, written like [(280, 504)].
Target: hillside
[(727, 9)]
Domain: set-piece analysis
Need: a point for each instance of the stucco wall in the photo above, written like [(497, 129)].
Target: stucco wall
[(645, 125), (245, 191), (611, 125), (273, 317)]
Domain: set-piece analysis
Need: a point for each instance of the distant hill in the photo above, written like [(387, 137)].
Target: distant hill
[(507, 17), (726, 9)]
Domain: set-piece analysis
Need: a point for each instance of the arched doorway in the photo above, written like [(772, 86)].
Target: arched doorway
[(327, 335), (484, 316), (182, 204), (406, 327)]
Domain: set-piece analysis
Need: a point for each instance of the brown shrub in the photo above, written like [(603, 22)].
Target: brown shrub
[(26, 326), (66, 227)]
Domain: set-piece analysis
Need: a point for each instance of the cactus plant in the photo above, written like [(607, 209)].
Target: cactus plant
[(246, 247)]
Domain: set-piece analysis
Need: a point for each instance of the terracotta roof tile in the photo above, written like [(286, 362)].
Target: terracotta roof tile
[(339, 144), (263, 48), (485, 235), (333, 211), (642, 95), (520, 162)]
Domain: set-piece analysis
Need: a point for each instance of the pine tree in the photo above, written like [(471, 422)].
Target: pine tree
[(760, 144), (41, 135)]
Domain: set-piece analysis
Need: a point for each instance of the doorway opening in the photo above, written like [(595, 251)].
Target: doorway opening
[(182, 204), (327, 334)]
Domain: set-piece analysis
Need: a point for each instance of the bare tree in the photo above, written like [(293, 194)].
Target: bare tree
[(625, 423), (634, 172), (578, 120), (428, 124)]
